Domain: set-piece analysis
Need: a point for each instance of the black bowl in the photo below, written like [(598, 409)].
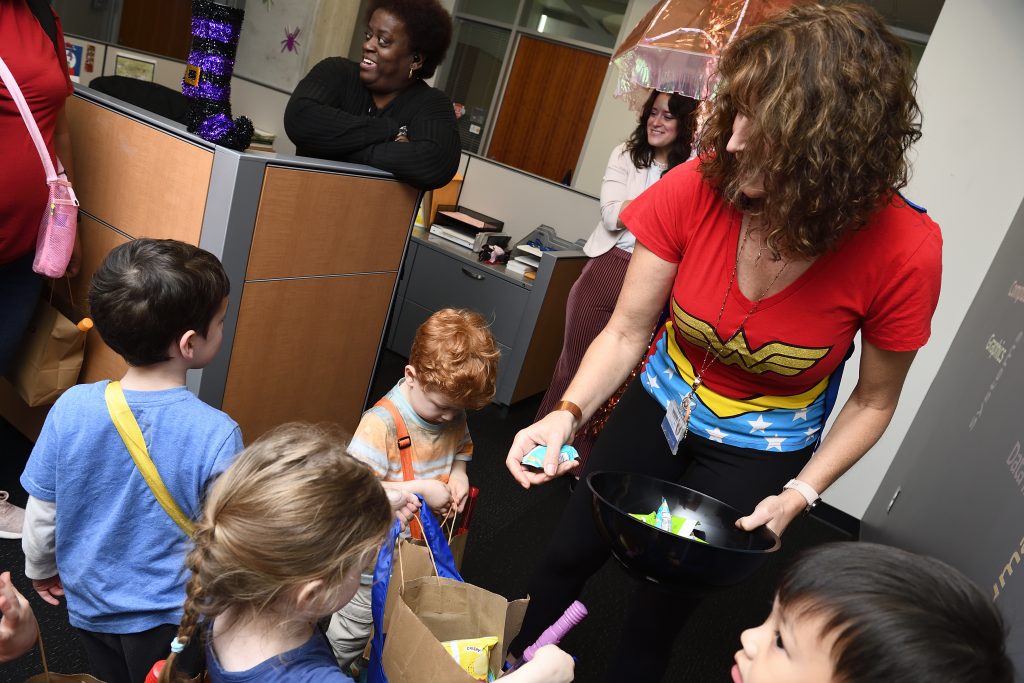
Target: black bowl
[(729, 556)]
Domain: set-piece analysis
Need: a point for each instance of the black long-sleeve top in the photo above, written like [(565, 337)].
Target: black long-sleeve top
[(331, 115)]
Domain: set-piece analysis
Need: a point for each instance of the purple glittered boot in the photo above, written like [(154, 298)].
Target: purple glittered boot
[(207, 82)]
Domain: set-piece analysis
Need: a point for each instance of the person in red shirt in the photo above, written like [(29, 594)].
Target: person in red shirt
[(40, 69), (785, 238)]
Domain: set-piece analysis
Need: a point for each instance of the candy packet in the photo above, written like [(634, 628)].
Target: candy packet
[(663, 519), (535, 458), (473, 655)]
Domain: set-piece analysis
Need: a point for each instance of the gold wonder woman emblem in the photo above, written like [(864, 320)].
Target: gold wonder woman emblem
[(783, 359)]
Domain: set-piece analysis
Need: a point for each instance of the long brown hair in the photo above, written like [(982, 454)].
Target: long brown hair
[(293, 508), (829, 92), (684, 109)]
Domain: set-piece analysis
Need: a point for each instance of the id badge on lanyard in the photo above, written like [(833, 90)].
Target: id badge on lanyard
[(674, 425)]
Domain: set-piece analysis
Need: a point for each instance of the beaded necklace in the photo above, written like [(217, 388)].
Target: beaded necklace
[(709, 360)]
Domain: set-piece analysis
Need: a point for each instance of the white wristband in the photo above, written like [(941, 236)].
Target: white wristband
[(805, 490)]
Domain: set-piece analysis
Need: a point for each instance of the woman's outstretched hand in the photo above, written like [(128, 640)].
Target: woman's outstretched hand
[(775, 512), (553, 431)]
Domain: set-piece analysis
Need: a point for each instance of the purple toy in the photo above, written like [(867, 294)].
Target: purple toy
[(554, 633)]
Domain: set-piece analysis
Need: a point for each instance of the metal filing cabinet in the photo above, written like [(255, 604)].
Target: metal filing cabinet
[(527, 318)]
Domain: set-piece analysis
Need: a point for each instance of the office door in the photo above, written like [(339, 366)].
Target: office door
[(163, 28), (547, 106)]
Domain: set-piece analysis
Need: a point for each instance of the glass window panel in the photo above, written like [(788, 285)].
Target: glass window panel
[(499, 10), (472, 76), (590, 21)]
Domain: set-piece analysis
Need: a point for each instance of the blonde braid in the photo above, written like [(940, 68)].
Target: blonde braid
[(193, 598), (291, 509)]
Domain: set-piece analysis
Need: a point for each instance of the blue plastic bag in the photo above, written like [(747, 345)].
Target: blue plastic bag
[(435, 539)]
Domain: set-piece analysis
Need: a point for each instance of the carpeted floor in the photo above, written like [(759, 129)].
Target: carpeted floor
[(509, 533)]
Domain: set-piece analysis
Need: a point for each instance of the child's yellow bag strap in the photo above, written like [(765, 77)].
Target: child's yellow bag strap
[(128, 428)]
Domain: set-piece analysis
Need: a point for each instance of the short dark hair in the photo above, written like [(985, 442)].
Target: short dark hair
[(428, 26), (149, 292), (685, 110), (897, 616)]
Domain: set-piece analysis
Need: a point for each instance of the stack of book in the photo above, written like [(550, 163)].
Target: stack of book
[(525, 261)]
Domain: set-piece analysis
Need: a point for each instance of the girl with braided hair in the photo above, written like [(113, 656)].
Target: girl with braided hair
[(284, 536)]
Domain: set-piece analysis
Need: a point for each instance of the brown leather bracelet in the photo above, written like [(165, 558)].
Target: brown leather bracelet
[(570, 407)]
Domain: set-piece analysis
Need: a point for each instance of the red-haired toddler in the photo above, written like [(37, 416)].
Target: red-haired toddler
[(416, 439)]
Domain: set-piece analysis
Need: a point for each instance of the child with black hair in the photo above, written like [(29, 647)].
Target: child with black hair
[(93, 528), (868, 613)]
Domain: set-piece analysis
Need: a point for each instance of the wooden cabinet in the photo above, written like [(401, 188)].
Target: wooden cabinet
[(527, 318)]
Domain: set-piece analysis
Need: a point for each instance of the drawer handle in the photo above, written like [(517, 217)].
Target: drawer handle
[(476, 276)]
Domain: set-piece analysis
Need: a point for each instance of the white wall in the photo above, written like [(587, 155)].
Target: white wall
[(969, 173), (525, 201), (260, 55), (612, 121)]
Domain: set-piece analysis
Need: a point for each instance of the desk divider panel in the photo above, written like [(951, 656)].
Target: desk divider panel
[(101, 362), (314, 223), (305, 350), (136, 178), (322, 270)]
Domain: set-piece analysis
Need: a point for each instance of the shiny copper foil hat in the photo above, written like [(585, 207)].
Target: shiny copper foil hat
[(675, 47)]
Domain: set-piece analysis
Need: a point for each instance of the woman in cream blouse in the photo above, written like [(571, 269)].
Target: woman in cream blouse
[(661, 140)]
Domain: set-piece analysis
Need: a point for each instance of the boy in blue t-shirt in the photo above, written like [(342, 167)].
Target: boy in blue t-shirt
[(93, 529)]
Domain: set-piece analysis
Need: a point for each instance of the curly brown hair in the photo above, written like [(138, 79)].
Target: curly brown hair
[(428, 26), (454, 354), (829, 92)]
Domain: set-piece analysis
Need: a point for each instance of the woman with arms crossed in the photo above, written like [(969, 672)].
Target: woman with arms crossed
[(379, 112), (776, 246), (660, 142)]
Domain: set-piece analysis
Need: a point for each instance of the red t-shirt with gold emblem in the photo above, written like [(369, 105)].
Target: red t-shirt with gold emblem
[(883, 281)]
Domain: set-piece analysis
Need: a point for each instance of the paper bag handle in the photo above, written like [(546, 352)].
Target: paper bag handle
[(443, 561)]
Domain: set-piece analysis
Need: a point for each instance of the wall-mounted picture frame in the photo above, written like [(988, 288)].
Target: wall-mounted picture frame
[(134, 67)]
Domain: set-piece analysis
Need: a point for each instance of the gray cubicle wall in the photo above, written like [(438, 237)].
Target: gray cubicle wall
[(956, 487)]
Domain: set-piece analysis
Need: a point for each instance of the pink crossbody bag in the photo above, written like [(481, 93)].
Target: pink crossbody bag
[(57, 228)]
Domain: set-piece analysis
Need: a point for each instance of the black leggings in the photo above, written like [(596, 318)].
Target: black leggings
[(127, 658), (632, 441)]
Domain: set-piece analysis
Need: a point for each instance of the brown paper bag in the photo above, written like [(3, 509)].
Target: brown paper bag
[(458, 546), (50, 358), (428, 611), (412, 561)]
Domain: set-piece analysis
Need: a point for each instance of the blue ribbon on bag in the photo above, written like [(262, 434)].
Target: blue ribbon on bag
[(435, 539)]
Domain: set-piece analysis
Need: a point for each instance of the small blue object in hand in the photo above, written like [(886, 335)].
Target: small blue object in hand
[(535, 458)]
